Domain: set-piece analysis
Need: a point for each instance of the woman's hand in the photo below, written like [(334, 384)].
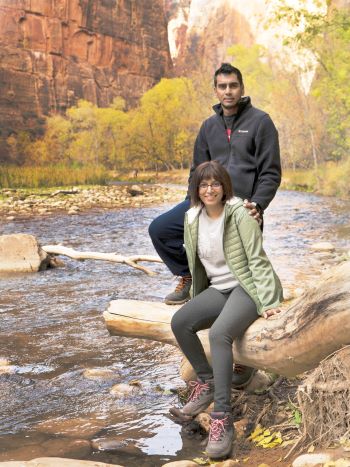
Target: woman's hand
[(273, 311)]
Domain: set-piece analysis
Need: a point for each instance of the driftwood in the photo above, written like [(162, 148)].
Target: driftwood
[(113, 257), (296, 340)]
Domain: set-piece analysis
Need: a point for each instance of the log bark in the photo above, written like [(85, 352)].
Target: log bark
[(296, 340), (113, 257)]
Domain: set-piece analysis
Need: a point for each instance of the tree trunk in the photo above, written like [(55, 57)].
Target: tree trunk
[(296, 340)]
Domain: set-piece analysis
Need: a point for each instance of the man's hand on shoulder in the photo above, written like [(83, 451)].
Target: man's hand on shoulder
[(254, 211)]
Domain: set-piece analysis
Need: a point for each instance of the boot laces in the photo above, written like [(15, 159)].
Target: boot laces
[(197, 390), (182, 283), (217, 428)]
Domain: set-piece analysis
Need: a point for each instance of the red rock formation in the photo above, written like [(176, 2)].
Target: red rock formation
[(204, 46), (54, 52)]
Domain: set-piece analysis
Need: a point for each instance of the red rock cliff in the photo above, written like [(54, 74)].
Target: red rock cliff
[(54, 52)]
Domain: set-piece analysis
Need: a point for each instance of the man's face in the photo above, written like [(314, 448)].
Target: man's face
[(228, 91)]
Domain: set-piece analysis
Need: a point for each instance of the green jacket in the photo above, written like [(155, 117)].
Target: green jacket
[(244, 253)]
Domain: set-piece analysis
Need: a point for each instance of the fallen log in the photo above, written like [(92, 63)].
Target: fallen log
[(311, 328), (113, 257)]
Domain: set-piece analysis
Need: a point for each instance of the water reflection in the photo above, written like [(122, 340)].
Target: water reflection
[(52, 329)]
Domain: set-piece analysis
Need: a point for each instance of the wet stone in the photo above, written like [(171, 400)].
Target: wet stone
[(181, 464), (323, 246), (56, 462), (72, 428), (66, 447), (5, 367), (135, 190), (110, 445), (122, 389), (103, 373)]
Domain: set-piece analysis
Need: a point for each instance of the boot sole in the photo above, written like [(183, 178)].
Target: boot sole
[(172, 302), (180, 416)]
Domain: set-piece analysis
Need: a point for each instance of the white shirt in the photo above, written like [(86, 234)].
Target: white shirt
[(211, 251)]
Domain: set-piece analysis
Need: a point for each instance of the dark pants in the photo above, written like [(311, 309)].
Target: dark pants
[(228, 315), (167, 235)]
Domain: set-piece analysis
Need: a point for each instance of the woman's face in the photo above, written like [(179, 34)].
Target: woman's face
[(210, 192)]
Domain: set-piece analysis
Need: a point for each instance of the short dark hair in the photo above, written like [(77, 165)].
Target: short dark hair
[(206, 171), (228, 69)]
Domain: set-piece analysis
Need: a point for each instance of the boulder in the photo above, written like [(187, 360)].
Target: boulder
[(21, 253)]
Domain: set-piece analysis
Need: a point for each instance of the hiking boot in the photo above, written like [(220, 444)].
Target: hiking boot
[(182, 292), (221, 435), (202, 395), (242, 376)]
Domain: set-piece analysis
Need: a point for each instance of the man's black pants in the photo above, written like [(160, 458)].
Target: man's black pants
[(167, 235)]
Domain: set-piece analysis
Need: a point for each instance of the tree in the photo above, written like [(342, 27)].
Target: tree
[(327, 37), (165, 124)]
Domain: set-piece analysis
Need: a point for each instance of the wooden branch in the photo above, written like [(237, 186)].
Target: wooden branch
[(112, 257), (314, 326)]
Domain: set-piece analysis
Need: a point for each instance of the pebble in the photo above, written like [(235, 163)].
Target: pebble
[(123, 389), (109, 445), (103, 373), (323, 246), (5, 367), (56, 462), (181, 464), (311, 460)]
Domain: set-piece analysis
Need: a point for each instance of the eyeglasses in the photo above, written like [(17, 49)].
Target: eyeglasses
[(204, 186)]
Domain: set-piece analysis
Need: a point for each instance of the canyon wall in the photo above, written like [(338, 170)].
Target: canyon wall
[(200, 31), (54, 52)]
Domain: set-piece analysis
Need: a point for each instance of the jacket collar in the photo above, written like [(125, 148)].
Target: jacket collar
[(194, 212), (244, 103)]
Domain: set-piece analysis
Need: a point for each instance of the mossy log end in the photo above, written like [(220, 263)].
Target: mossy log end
[(311, 328)]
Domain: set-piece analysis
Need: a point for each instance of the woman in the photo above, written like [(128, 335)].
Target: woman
[(233, 283)]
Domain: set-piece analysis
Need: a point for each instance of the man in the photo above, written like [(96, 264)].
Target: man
[(245, 141)]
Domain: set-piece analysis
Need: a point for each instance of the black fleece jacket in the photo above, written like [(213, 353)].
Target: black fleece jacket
[(252, 156)]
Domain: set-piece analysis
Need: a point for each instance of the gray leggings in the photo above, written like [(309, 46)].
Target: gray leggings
[(227, 315)]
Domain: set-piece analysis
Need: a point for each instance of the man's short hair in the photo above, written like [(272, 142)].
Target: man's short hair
[(228, 69)]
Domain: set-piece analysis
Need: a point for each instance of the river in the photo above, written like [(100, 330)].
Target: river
[(52, 331)]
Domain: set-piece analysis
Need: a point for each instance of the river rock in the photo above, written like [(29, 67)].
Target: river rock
[(323, 246), (78, 428), (123, 389), (232, 463), (135, 190), (110, 445), (6, 369), (21, 253), (311, 460), (181, 464), (76, 448), (56, 462), (103, 373)]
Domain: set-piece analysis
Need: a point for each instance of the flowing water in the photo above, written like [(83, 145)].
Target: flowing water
[(51, 331)]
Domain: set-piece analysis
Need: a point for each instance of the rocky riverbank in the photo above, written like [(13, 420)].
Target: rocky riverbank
[(20, 202)]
